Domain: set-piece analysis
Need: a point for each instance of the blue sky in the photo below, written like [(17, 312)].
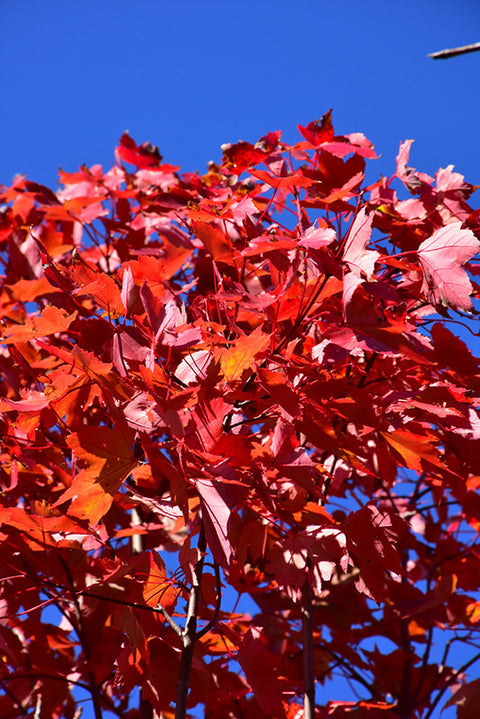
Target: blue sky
[(189, 76)]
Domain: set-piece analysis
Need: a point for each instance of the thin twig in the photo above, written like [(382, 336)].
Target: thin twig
[(452, 52), (451, 682), (356, 676)]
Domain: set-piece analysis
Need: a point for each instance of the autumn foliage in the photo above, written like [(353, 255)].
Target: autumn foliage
[(247, 383)]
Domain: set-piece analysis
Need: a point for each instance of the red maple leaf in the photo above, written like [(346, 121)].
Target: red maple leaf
[(143, 156)]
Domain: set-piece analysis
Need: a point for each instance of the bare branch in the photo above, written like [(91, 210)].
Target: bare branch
[(308, 660), (189, 635), (178, 630), (452, 52)]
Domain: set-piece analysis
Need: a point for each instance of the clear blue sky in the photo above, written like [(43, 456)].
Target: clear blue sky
[(189, 76)]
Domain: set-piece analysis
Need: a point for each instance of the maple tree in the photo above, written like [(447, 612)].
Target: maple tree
[(246, 383)]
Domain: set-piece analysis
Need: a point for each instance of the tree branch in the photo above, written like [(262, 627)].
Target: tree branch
[(308, 660), (82, 635), (452, 52), (189, 634), (178, 630), (356, 676)]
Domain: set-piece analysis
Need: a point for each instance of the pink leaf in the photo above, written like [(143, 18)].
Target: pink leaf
[(31, 401), (129, 293), (403, 172), (441, 257), (341, 149), (193, 367), (143, 414), (218, 500), (314, 237), (356, 254)]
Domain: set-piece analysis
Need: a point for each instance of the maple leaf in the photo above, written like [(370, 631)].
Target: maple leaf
[(215, 241), (107, 455), (143, 156), (261, 670), (404, 173), (355, 253), (41, 529), (359, 260), (373, 539), (290, 181), (241, 154), (450, 351), (315, 238), (241, 354), (315, 552), (413, 448), (193, 367), (31, 402), (281, 392), (441, 257), (290, 459), (219, 500), (157, 589), (50, 321), (317, 134)]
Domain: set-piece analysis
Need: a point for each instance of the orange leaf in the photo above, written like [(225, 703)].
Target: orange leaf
[(473, 612), (241, 354), (413, 448), (96, 370), (107, 457), (174, 257), (51, 321), (29, 290), (37, 529), (105, 292), (215, 241), (151, 270), (157, 589)]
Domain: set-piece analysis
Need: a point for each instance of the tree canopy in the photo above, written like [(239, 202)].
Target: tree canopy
[(247, 383)]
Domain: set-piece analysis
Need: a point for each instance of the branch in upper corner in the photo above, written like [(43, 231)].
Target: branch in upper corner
[(452, 52)]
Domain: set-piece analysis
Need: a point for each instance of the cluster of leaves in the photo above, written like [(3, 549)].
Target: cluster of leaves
[(250, 370)]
